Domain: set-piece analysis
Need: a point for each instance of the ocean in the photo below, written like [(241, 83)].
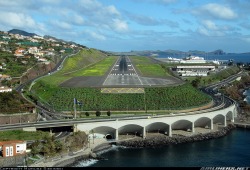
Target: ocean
[(231, 150), (245, 58)]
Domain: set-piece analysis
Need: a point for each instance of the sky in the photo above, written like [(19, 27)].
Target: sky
[(135, 25)]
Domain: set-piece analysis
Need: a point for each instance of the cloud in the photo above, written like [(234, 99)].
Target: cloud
[(150, 21), (17, 20), (119, 25), (203, 31), (160, 2), (61, 24), (217, 11), (209, 25), (97, 36)]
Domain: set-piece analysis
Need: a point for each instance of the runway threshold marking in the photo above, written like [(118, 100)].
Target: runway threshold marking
[(111, 71), (135, 71)]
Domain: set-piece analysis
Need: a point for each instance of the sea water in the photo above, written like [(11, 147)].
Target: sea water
[(230, 150)]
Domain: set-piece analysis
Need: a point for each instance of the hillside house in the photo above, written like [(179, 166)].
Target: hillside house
[(12, 148), (19, 52), (33, 50), (5, 89), (5, 77)]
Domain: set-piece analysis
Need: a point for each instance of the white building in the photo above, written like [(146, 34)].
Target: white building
[(5, 89), (193, 70)]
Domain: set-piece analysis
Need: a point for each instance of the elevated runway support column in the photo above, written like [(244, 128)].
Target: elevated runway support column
[(193, 130), (212, 124), (232, 120), (116, 134), (144, 133), (170, 131), (225, 121), (75, 128)]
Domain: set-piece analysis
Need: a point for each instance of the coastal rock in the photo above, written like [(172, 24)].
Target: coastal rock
[(160, 140)]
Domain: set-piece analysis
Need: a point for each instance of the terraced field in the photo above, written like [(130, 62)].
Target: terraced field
[(83, 76)]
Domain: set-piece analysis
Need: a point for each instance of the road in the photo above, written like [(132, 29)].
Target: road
[(46, 111)]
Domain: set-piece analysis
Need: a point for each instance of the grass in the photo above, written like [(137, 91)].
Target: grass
[(147, 67), (86, 62), (21, 135), (154, 70), (98, 69), (216, 77), (83, 59)]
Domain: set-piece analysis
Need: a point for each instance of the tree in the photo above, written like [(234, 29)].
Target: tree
[(35, 148), (109, 113), (98, 113)]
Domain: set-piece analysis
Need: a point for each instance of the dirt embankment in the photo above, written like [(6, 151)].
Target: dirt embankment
[(37, 70)]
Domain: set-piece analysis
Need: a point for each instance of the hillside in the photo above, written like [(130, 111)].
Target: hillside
[(21, 32)]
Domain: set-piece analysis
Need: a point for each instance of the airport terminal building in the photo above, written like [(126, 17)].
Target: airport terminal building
[(193, 70)]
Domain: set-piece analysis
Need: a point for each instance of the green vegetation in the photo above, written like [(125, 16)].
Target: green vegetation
[(86, 63), (45, 144), (22, 135), (147, 67), (162, 98), (13, 102), (213, 77), (15, 66), (84, 58), (98, 69)]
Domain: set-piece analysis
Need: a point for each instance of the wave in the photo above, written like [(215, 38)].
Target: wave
[(86, 163)]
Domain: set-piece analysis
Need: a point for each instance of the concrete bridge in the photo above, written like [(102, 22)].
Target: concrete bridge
[(163, 124)]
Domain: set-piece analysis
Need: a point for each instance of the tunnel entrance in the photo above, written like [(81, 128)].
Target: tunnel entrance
[(108, 136)]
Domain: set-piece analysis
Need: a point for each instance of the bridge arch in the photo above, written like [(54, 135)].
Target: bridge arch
[(182, 124), (159, 127), (219, 119), (131, 129), (103, 132), (230, 116), (203, 122)]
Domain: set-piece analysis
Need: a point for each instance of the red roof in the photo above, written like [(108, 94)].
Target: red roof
[(10, 142)]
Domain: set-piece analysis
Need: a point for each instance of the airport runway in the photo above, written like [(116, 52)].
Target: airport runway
[(122, 74)]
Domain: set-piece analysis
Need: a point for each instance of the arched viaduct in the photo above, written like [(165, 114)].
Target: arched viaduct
[(164, 124)]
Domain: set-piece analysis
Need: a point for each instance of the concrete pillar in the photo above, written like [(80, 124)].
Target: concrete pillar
[(170, 131), (116, 134), (225, 120), (75, 128), (212, 124), (144, 133), (50, 132), (232, 120), (193, 130)]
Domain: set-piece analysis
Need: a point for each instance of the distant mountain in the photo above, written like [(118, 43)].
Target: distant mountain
[(217, 52), (21, 32), (170, 53)]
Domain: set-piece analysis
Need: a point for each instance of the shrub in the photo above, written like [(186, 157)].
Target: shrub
[(87, 113), (109, 113), (98, 113)]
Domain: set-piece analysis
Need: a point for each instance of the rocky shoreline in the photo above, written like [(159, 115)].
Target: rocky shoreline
[(161, 140)]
